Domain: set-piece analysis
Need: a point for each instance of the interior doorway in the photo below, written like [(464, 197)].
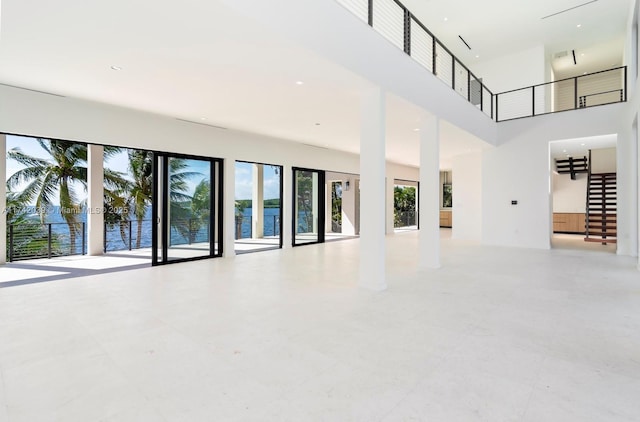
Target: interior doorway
[(583, 196)]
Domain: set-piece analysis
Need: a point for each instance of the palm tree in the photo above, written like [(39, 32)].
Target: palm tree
[(45, 177), (32, 239), (141, 190)]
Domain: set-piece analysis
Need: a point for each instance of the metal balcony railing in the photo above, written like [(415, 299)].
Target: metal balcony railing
[(593, 89), (47, 240), (398, 25)]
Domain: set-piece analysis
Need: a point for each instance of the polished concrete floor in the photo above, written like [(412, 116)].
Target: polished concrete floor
[(496, 334)]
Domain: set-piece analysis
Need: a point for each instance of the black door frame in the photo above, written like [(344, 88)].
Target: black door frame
[(280, 190), (321, 205), (215, 215)]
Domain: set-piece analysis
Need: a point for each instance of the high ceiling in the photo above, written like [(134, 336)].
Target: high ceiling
[(496, 28), (202, 62)]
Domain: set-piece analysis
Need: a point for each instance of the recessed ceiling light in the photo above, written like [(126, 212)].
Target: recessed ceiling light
[(116, 68), (564, 150), (203, 118), (446, 19), (416, 129), (582, 144), (582, 54), (584, 73), (477, 56), (578, 25), (299, 83)]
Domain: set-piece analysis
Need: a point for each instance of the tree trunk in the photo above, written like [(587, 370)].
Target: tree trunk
[(139, 233)]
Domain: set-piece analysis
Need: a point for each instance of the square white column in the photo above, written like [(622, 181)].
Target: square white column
[(389, 215), (429, 236), (229, 209), (257, 202), (287, 205), (372, 191), (95, 200)]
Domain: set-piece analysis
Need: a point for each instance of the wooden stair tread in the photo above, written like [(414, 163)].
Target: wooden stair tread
[(594, 240)]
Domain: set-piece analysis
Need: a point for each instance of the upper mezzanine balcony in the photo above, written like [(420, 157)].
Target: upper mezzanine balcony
[(397, 24)]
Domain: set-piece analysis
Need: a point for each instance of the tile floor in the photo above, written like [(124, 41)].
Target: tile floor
[(496, 334)]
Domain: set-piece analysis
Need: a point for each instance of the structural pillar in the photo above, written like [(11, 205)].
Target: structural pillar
[(3, 199), (429, 209), (257, 202), (287, 213), (372, 191), (389, 218), (229, 209), (636, 141), (95, 200)]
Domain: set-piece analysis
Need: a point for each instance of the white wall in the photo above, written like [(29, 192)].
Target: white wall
[(467, 197), (603, 160), (24, 112), (569, 195), (519, 169), (520, 70)]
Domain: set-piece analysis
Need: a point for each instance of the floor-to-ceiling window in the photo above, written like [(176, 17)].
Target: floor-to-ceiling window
[(405, 204), (187, 208), (258, 206), (308, 206)]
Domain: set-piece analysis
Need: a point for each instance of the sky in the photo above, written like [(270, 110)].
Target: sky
[(118, 162)]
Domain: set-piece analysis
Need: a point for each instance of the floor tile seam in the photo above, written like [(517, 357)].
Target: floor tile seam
[(123, 373), (419, 380), (4, 403), (534, 386)]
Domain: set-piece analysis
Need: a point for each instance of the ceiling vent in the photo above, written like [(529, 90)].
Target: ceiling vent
[(200, 123)]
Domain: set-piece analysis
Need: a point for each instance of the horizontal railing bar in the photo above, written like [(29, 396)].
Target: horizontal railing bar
[(600, 93), (561, 80)]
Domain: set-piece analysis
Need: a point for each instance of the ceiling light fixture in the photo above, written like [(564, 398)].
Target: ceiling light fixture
[(578, 25), (477, 56), (116, 68), (299, 83), (465, 43), (416, 129), (582, 144), (446, 19), (571, 8)]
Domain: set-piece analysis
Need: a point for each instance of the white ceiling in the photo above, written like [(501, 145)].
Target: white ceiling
[(202, 62), (496, 28), (579, 147)]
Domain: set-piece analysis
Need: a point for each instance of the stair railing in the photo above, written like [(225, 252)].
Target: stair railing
[(586, 222)]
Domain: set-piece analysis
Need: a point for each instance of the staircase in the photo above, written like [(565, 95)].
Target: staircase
[(601, 218), (572, 166)]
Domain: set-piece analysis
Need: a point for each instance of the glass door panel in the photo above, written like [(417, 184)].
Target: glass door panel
[(190, 200), (187, 206), (308, 204)]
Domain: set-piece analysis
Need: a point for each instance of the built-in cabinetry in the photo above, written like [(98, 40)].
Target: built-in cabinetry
[(446, 218), (566, 222)]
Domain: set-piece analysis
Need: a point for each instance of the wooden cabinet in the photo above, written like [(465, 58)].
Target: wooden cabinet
[(446, 218), (568, 222)]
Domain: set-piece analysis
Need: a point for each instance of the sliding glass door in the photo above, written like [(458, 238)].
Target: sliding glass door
[(308, 206), (187, 208)]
